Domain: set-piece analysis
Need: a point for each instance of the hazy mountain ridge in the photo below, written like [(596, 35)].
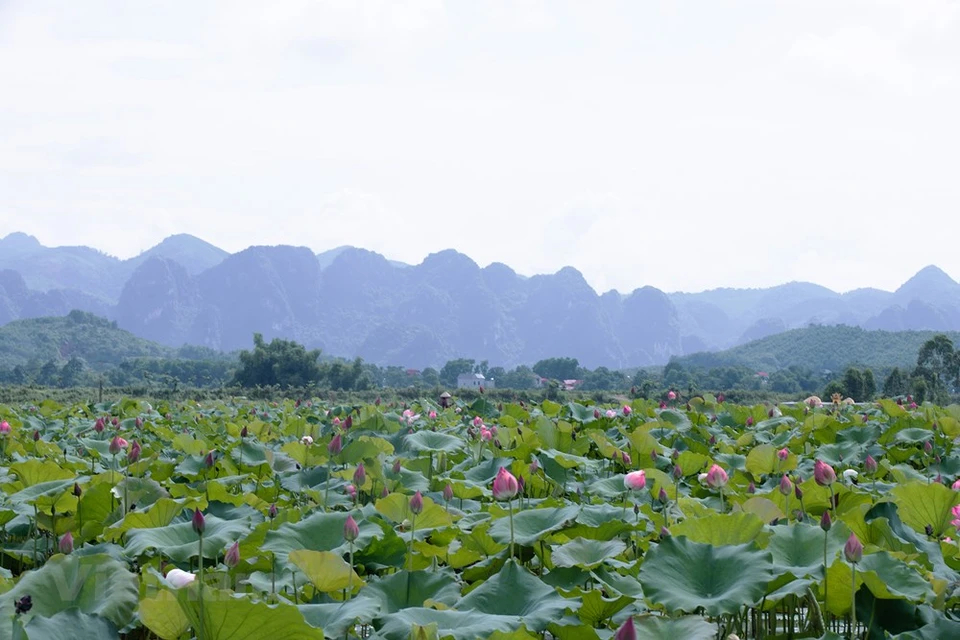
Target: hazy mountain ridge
[(354, 302)]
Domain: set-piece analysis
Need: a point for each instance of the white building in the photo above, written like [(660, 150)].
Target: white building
[(474, 381)]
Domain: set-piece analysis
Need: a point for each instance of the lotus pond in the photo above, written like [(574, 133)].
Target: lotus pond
[(242, 520)]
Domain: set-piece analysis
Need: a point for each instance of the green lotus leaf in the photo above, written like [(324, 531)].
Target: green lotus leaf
[(597, 609), (514, 591), (160, 514), (320, 531), (338, 618), (227, 616), (762, 460), (763, 508), (890, 578), (532, 525), (326, 570), (920, 504), (683, 575), (688, 628), (82, 626), (433, 441), (396, 507), (406, 589), (720, 529), (888, 511), (459, 625), (96, 585), (36, 471), (798, 549), (180, 542), (586, 554), (162, 614)]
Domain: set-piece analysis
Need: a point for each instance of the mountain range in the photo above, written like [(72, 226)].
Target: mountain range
[(353, 302)]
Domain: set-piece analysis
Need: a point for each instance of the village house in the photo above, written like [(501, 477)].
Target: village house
[(474, 381)]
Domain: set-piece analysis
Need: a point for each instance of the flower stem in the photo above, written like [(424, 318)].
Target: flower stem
[(350, 575), (825, 573), (853, 601), (510, 504), (200, 629)]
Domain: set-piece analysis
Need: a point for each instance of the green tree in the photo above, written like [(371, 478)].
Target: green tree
[(869, 385), (937, 364), (430, 377), (49, 374), (281, 362), (558, 368), (71, 372), (896, 383), (852, 384)]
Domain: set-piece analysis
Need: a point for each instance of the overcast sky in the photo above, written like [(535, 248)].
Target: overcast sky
[(684, 145)]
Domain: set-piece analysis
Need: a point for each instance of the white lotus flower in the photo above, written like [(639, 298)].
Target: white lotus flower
[(850, 475), (179, 579), (702, 478), (307, 440)]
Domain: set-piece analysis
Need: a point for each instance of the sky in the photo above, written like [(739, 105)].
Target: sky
[(683, 145)]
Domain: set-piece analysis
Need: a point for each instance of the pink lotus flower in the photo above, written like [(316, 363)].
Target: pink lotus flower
[(485, 434), (232, 557), (956, 516), (626, 630), (432, 415), (853, 549), (66, 543), (134, 454), (786, 487), (409, 416), (635, 480), (611, 413), (716, 477), (177, 578), (360, 475), (416, 503), (4, 427), (783, 454), (505, 485), (336, 422), (627, 410), (824, 474), (956, 485), (117, 445), (663, 405), (351, 491), (350, 529), (671, 395), (477, 421)]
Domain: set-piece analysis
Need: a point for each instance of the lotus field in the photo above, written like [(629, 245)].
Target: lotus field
[(242, 520)]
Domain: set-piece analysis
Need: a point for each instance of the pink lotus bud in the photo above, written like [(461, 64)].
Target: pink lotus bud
[(662, 496), (664, 532), (98, 425), (505, 485), (909, 398), (336, 421), (448, 492), (783, 454), (36, 435), (485, 434), (751, 488), (797, 491), (335, 446), (653, 455), (823, 474), (416, 503), (115, 422), (134, 454), (198, 522), (520, 484), (928, 447), (721, 398), (272, 511), (535, 466), (77, 492), (825, 522), (853, 549), (348, 423), (384, 492), (713, 440), (396, 466), (626, 631), (635, 480), (232, 557), (956, 485), (477, 421), (178, 578), (671, 395), (350, 529), (870, 465), (596, 414), (66, 543), (244, 432), (210, 459), (117, 445), (4, 428), (749, 421), (626, 458), (351, 491), (663, 405), (716, 477), (360, 475), (786, 487), (138, 422), (611, 413), (627, 410), (677, 472), (432, 415)]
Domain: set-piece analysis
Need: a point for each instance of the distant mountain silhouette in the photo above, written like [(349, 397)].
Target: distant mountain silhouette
[(354, 302)]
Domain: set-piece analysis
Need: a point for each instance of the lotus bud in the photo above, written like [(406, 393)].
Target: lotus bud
[(662, 496), (138, 422), (134, 454), (117, 445), (825, 522), (853, 549), (596, 414), (4, 428), (416, 503), (939, 478), (783, 454), (627, 410), (664, 533), (335, 446), (384, 492), (713, 440), (348, 423), (627, 460), (751, 488), (232, 557), (77, 492), (749, 421), (350, 529), (786, 487), (448, 492), (505, 485), (653, 455), (521, 483), (721, 398), (210, 460), (797, 491), (377, 401), (396, 466), (177, 578), (663, 405), (636, 509), (626, 631), (198, 522), (351, 491), (535, 466), (956, 485), (244, 432), (635, 480), (360, 475), (66, 543), (824, 474), (928, 447), (716, 477), (674, 454), (36, 435), (432, 415), (611, 413), (677, 472), (272, 511), (336, 421), (115, 422), (306, 441), (671, 395)]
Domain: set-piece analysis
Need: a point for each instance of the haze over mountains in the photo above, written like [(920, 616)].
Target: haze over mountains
[(353, 302)]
